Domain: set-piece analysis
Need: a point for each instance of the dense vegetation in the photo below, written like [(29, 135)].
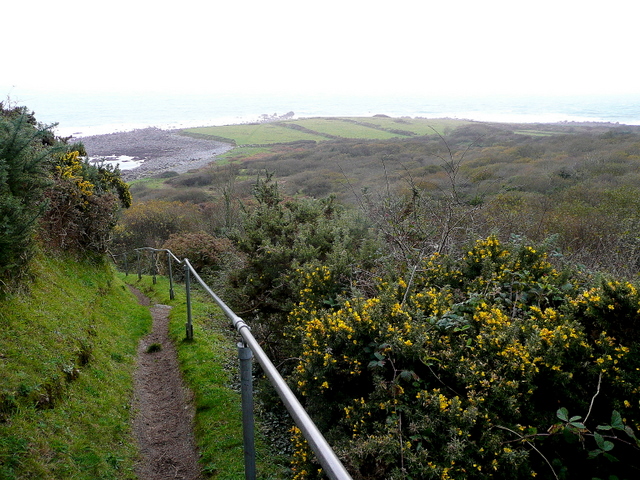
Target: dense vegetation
[(455, 305), (48, 191)]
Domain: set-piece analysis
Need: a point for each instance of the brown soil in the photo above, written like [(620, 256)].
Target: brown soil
[(163, 412)]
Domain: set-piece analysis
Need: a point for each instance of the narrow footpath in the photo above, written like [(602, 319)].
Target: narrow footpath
[(163, 412)]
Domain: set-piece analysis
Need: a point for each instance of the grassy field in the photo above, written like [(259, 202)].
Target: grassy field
[(341, 128), (323, 129), (255, 134), (418, 126)]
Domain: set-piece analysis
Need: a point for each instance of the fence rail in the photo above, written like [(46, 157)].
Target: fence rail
[(248, 348)]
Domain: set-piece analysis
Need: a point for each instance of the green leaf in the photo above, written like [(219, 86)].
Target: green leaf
[(604, 445), (569, 435), (407, 375), (578, 425), (573, 419), (616, 420), (604, 427), (563, 414)]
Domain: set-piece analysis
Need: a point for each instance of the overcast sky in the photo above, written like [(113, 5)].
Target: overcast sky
[(331, 46)]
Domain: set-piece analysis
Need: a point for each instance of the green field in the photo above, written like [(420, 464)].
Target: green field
[(341, 128), (254, 134), (323, 129), (419, 126)]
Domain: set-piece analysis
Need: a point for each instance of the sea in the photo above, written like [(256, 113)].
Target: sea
[(82, 114)]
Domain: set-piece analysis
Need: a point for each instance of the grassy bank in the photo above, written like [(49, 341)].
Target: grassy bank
[(210, 367), (67, 353)]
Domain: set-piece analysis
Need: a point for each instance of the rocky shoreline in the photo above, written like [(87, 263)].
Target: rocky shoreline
[(161, 150)]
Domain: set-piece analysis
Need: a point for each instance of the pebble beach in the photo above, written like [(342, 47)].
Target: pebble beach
[(159, 150)]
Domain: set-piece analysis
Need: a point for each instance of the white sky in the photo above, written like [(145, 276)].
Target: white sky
[(331, 46)]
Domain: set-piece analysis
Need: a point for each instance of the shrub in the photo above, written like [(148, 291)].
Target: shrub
[(24, 153), (205, 252), (458, 370), (83, 204), (278, 238), (150, 224)]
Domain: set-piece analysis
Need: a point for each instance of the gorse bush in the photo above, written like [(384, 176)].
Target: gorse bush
[(83, 204), (24, 153), (277, 238), (458, 371), (49, 192)]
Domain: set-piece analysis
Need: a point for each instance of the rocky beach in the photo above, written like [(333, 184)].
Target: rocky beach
[(159, 150)]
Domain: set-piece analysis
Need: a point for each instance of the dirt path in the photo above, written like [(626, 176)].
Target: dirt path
[(163, 422)]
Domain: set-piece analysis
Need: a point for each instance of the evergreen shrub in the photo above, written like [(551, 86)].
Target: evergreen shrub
[(467, 369)]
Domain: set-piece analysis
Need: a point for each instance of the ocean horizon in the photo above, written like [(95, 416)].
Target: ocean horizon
[(85, 114)]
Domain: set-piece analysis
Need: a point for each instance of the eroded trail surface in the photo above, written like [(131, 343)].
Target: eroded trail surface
[(163, 421)]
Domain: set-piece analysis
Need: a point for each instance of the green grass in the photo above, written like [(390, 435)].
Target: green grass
[(209, 364), (339, 128), (255, 134), (419, 126), (322, 129), (536, 133), (67, 353)]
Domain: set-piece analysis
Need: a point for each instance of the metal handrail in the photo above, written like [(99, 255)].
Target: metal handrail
[(330, 462), (169, 252)]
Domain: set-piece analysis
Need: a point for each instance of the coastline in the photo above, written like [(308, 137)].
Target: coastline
[(160, 150)]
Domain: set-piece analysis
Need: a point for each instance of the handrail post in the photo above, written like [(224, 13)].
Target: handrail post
[(171, 294), (246, 382), (154, 265), (187, 281), (126, 265), (139, 265)]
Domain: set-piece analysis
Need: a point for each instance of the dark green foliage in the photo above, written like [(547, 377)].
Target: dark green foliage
[(48, 192), (279, 237), (23, 180)]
